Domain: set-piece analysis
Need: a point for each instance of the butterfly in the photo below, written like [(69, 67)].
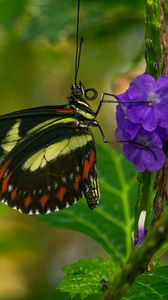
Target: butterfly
[(48, 156), (47, 153)]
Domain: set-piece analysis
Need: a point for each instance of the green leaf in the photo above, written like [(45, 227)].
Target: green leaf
[(111, 223), (84, 277), (152, 285)]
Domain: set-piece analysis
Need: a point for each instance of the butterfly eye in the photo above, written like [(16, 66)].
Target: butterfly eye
[(91, 94), (77, 91)]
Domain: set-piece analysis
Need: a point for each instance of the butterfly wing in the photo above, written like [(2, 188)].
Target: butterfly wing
[(14, 126), (49, 167)]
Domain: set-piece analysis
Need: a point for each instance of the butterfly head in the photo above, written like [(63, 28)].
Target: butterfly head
[(79, 93), (79, 100)]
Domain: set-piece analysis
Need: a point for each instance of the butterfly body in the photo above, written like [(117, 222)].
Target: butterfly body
[(48, 156)]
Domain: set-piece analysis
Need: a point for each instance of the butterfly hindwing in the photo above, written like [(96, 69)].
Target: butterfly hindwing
[(50, 167)]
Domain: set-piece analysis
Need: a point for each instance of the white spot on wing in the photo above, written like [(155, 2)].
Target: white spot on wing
[(5, 174), (10, 188), (71, 176), (63, 179), (55, 186), (67, 205)]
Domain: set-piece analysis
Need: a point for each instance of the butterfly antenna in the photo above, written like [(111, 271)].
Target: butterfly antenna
[(78, 45), (79, 56)]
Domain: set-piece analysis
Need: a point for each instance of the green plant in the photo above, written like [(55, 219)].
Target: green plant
[(114, 221)]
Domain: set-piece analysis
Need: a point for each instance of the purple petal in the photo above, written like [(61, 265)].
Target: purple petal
[(154, 140), (123, 97), (136, 112), (163, 133), (140, 86), (128, 127), (143, 158), (139, 238), (163, 95), (162, 82), (131, 129), (162, 116), (120, 116), (156, 162), (120, 135), (150, 119), (133, 154)]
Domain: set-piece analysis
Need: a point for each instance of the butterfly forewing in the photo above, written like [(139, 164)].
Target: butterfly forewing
[(15, 126), (51, 162)]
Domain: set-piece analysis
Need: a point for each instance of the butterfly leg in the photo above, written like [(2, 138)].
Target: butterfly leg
[(103, 135), (102, 100), (98, 109), (117, 101)]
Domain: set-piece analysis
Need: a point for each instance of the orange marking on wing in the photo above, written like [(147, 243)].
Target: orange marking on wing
[(61, 193), (76, 182), (13, 194), (88, 164), (43, 200), (27, 201), (92, 157), (5, 183), (86, 169), (4, 168), (65, 110)]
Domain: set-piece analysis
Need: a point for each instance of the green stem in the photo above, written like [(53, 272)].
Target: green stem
[(153, 53), (153, 56), (138, 260), (145, 185)]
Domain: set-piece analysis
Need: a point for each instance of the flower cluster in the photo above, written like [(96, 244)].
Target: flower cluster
[(142, 119)]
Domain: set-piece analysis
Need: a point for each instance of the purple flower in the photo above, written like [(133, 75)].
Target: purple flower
[(142, 119), (153, 94), (104, 284), (144, 151), (141, 229)]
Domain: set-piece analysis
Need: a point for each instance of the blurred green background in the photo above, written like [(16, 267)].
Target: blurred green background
[(37, 50)]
